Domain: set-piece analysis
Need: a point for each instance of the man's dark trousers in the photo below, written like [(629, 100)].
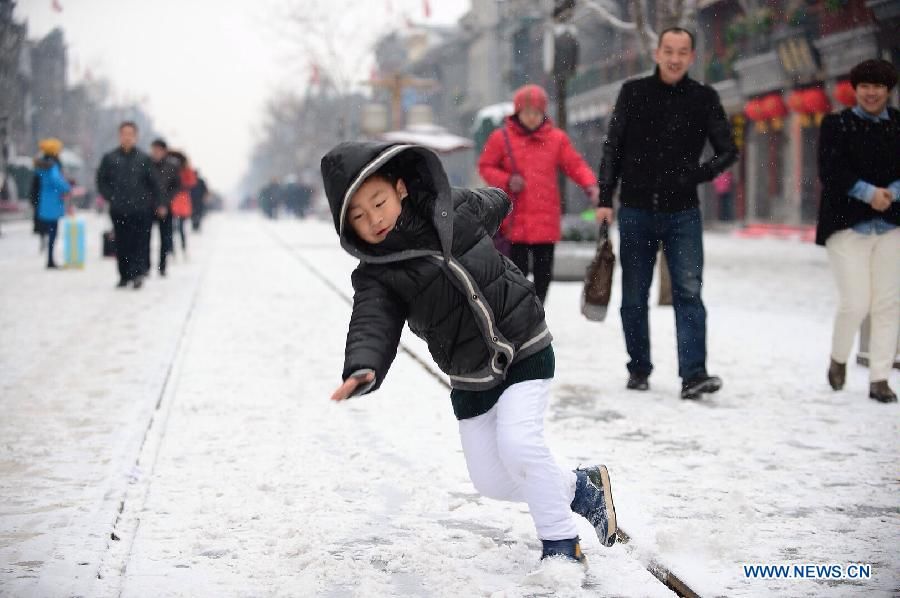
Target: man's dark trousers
[(132, 250), (681, 233), (165, 238)]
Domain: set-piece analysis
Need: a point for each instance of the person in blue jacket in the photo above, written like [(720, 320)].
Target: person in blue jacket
[(53, 186)]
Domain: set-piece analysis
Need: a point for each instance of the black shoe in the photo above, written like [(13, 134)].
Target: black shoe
[(162, 272), (138, 282), (695, 387), (638, 382), (837, 375), (123, 282), (567, 549), (52, 266), (881, 392)]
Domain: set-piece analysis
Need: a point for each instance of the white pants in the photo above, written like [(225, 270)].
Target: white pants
[(509, 460), (867, 270)]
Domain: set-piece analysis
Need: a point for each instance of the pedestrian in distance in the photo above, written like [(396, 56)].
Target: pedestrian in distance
[(268, 199), (724, 188), (523, 158), (427, 259), (181, 203), (656, 135), (37, 227), (859, 216), (167, 170), (199, 196), (126, 179), (51, 189)]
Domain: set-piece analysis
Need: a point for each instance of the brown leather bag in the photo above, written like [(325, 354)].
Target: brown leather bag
[(598, 279)]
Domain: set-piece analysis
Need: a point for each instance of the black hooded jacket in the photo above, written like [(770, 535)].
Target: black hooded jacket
[(437, 269)]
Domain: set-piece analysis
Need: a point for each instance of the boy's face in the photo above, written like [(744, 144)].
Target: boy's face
[(374, 209)]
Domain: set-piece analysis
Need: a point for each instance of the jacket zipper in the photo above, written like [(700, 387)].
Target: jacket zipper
[(473, 294)]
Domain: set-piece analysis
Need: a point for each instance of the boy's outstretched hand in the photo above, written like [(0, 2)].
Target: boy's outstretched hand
[(345, 390)]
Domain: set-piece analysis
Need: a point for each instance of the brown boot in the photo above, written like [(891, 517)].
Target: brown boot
[(881, 392), (837, 374)]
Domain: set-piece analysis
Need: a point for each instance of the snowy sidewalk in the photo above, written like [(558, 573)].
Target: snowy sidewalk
[(247, 481)]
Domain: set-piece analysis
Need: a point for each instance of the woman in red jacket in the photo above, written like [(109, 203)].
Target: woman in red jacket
[(181, 203), (522, 158)]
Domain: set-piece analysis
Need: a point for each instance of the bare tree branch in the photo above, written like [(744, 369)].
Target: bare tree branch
[(336, 35), (676, 8), (609, 17), (688, 12), (646, 35)]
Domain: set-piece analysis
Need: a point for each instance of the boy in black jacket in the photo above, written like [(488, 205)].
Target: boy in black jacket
[(427, 258)]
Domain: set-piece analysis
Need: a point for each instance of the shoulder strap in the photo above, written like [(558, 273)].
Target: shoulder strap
[(509, 152)]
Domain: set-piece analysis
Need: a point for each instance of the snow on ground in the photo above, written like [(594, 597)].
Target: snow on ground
[(247, 481), (81, 369)]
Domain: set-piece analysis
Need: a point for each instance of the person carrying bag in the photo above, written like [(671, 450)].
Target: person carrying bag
[(523, 158)]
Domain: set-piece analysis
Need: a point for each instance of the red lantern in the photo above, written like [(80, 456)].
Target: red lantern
[(816, 101), (774, 109), (797, 102), (845, 94), (773, 106), (753, 110)]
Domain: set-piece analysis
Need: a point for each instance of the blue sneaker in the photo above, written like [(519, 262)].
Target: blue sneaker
[(593, 501), (567, 549)]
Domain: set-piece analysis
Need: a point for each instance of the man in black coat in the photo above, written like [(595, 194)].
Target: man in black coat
[(167, 171), (127, 181), (656, 135)]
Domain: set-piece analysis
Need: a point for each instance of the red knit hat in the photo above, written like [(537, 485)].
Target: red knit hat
[(530, 95)]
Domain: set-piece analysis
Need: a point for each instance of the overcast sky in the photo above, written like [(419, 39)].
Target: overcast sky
[(204, 68)]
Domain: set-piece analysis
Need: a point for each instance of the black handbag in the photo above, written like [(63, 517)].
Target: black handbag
[(598, 279), (109, 244)]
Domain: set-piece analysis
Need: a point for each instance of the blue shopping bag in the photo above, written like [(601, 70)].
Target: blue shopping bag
[(73, 242)]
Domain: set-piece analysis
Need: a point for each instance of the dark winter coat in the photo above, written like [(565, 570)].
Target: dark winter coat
[(198, 197), (656, 136), (168, 178), (437, 270), (852, 149), (128, 182), (537, 156)]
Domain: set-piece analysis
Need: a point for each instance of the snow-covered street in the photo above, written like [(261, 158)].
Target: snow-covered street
[(179, 441)]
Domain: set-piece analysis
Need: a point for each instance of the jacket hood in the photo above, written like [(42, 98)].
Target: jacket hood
[(530, 95), (349, 164)]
